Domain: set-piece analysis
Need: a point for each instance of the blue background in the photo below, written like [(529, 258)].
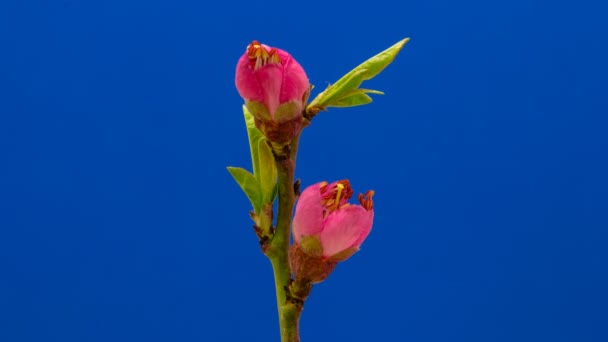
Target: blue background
[(488, 154)]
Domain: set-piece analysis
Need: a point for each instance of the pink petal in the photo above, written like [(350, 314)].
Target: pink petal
[(246, 82), (345, 228), (263, 85), (270, 79), (308, 219), (295, 81), (366, 226)]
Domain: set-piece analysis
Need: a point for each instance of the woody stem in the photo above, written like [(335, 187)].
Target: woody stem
[(289, 314)]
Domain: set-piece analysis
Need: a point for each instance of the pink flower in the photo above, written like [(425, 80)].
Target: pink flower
[(275, 89), (324, 214)]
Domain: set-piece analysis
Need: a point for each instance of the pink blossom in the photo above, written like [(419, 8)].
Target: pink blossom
[(323, 212), (268, 78)]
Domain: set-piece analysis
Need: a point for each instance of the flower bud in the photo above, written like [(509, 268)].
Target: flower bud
[(327, 229), (275, 89)]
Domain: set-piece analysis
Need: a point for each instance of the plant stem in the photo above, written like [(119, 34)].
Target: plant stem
[(289, 314)]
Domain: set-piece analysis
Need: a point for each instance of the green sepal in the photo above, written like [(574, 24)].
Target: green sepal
[(249, 184), (337, 94), (345, 254), (267, 176), (288, 111), (311, 245)]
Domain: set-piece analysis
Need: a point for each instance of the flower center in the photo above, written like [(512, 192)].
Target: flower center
[(335, 195), (259, 56)]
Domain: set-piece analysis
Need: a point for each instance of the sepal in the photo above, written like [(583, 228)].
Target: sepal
[(311, 246), (345, 254), (307, 268)]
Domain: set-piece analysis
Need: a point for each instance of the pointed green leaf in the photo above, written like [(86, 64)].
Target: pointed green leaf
[(249, 184), (255, 136), (334, 94), (371, 91), (380, 61), (355, 97), (348, 82), (268, 171)]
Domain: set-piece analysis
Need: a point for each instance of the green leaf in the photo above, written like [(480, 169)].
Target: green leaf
[(355, 97), (249, 184), (336, 94), (346, 84), (353, 100), (267, 176), (255, 136)]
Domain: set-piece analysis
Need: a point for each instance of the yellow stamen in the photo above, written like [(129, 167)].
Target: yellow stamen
[(259, 56), (335, 196), (338, 194), (274, 56)]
